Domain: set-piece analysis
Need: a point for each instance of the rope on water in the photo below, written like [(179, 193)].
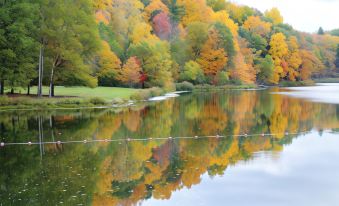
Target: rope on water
[(85, 141)]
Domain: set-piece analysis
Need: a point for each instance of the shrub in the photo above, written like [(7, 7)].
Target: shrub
[(147, 93), (156, 91), (236, 82), (97, 101), (184, 86), (4, 100), (222, 78), (118, 101), (192, 73)]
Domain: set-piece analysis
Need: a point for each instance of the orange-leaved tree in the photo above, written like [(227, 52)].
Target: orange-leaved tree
[(131, 72), (212, 57)]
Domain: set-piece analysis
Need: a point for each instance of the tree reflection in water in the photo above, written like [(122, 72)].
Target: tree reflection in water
[(126, 173)]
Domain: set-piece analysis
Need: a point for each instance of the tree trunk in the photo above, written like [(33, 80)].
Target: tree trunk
[(28, 89), (41, 71), (51, 84), (2, 87), (12, 90)]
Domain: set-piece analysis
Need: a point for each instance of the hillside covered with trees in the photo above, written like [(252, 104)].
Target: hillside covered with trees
[(155, 43)]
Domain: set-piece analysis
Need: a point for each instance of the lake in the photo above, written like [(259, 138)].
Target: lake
[(265, 147)]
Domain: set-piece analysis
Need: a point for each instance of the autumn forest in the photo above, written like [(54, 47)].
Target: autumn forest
[(155, 43)]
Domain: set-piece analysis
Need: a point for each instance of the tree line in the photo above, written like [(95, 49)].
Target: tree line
[(147, 43)]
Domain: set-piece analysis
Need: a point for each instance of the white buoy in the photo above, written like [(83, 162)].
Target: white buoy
[(150, 138), (170, 137), (263, 134), (128, 139), (106, 140), (58, 142), (246, 135), (196, 137), (217, 136), (286, 133), (85, 141), (2, 144), (29, 143)]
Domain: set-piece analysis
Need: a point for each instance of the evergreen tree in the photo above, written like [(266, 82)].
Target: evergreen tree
[(337, 58), (321, 31)]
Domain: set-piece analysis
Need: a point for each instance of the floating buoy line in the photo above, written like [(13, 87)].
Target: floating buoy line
[(129, 139)]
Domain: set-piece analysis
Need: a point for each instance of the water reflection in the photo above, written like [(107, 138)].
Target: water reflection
[(127, 173)]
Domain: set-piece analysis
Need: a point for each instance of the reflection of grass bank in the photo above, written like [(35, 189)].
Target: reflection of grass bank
[(224, 87), (297, 84), (186, 86), (21, 102)]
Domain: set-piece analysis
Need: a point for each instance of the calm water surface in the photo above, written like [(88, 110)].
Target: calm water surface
[(295, 163)]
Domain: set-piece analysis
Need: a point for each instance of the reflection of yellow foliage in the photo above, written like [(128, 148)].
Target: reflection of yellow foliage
[(278, 120), (257, 144), (108, 124), (226, 157), (104, 183), (215, 120), (132, 120), (99, 200), (155, 173), (164, 191)]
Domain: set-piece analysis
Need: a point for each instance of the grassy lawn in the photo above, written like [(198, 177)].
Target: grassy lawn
[(107, 93)]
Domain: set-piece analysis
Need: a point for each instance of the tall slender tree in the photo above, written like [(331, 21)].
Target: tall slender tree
[(70, 39), (337, 59)]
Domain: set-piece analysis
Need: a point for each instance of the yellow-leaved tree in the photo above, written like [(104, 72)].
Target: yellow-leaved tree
[(109, 64), (243, 68), (310, 63), (101, 4), (278, 51), (275, 16), (195, 11), (141, 32), (256, 25), (294, 60)]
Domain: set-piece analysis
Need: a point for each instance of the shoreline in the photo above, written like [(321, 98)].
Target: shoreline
[(148, 95)]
